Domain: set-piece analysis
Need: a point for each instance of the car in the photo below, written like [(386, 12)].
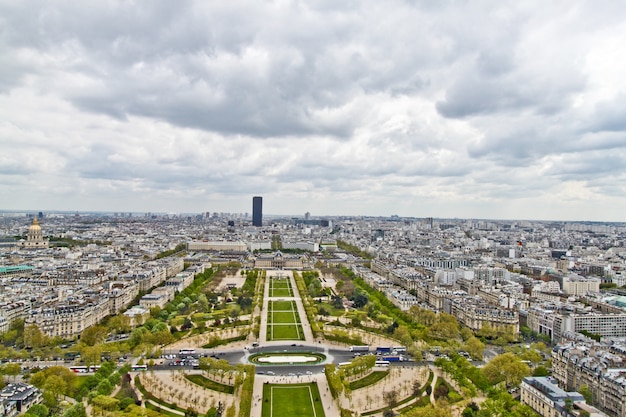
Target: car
[(292, 374), (271, 373), (309, 373)]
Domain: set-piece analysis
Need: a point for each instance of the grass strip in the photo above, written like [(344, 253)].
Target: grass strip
[(370, 379), (207, 383), (219, 342)]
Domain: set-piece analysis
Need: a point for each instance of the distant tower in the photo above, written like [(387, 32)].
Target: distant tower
[(257, 211)]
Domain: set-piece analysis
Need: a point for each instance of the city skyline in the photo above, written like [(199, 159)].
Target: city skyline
[(506, 111)]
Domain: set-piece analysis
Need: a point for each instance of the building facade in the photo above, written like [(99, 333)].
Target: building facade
[(599, 368), (34, 238)]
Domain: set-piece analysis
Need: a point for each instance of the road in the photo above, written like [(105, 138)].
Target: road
[(333, 355)]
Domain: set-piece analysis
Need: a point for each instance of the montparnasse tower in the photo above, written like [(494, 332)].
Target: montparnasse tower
[(34, 238)]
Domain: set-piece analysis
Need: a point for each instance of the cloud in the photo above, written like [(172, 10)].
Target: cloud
[(403, 107)]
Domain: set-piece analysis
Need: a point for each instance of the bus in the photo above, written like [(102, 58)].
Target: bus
[(359, 348), (340, 364), (187, 351), (140, 367), (382, 363), (79, 369), (399, 349)]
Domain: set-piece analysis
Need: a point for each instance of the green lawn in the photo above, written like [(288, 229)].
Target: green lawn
[(282, 305), (285, 317), (280, 288), (291, 400), (332, 311), (281, 292), (368, 380), (285, 332), (284, 321), (210, 384)]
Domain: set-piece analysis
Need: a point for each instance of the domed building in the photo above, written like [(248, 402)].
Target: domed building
[(34, 238)]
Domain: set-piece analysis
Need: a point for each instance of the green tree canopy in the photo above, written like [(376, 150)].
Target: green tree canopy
[(506, 367), (93, 335)]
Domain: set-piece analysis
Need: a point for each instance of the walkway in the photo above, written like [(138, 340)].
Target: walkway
[(306, 327), (330, 407)]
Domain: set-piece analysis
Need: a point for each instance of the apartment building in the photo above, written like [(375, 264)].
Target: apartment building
[(121, 294), (474, 313), (18, 397), (556, 320), (15, 310), (402, 299), (543, 395), (599, 367), (68, 320), (575, 285), (219, 246)]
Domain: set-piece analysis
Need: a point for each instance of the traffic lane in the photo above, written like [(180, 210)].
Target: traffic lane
[(294, 347)]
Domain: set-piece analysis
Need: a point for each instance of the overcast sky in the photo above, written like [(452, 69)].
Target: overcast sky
[(469, 109)]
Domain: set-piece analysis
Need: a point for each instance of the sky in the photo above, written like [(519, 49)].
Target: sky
[(467, 109)]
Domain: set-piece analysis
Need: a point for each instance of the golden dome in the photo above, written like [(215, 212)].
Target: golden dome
[(35, 225)]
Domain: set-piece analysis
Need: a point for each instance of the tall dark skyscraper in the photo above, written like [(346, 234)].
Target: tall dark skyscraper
[(257, 211)]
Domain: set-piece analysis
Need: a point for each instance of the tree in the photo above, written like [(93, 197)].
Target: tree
[(506, 367), (120, 323), (417, 388), (39, 410), (15, 334), (77, 410), (586, 393), (403, 335), (445, 328), (91, 354), (105, 403), (104, 387), (531, 355), (423, 315), (33, 337), (541, 371), (441, 391), (55, 385), (475, 348), (137, 335), (391, 397), (487, 331), (235, 311), (162, 338), (470, 410), (11, 369), (93, 335), (159, 327), (466, 333)]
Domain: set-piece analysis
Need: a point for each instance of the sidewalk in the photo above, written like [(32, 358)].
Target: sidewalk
[(306, 326)]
